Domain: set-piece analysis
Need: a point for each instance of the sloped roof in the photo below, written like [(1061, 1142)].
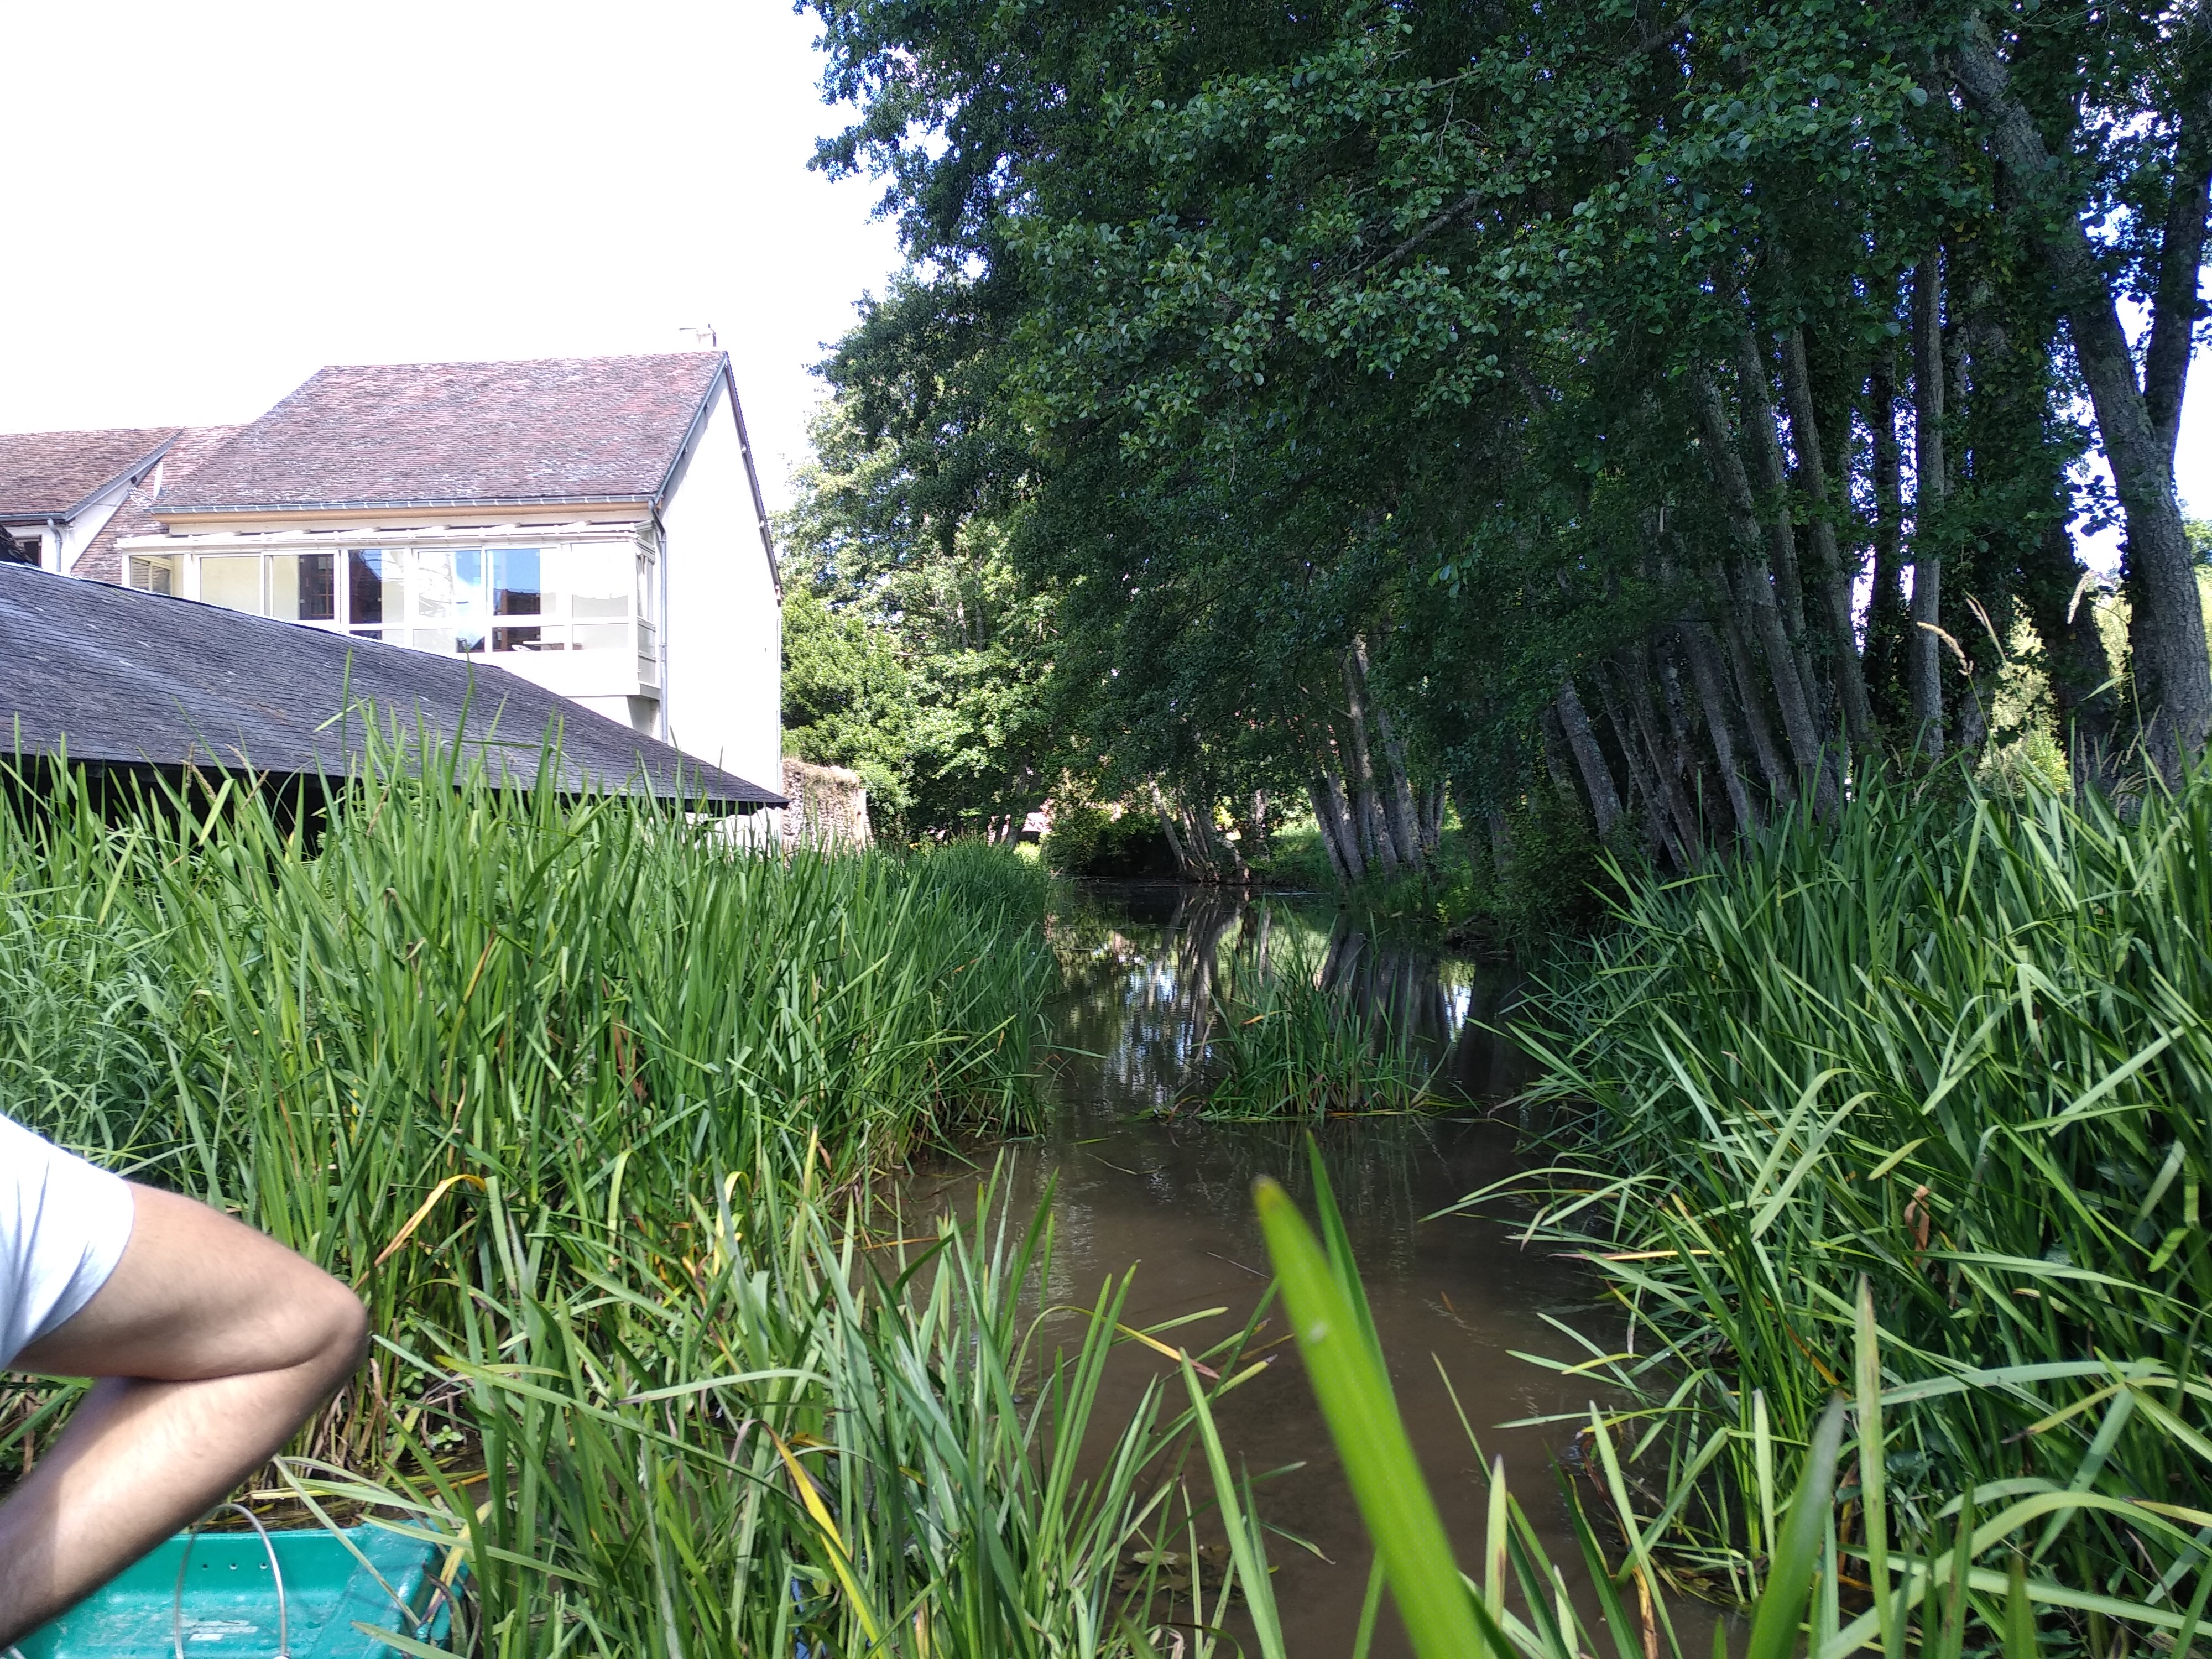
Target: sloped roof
[(112, 675), (52, 474), (100, 561), (462, 434)]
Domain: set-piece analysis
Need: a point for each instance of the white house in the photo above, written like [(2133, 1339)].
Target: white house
[(594, 524)]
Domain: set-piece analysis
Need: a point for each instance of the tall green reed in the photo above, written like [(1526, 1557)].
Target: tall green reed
[(585, 1008), (1283, 1044), (1964, 1052), (798, 1433), (1977, 1577), (585, 1099)]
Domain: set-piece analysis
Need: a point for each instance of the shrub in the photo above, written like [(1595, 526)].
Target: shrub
[(1087, 840)]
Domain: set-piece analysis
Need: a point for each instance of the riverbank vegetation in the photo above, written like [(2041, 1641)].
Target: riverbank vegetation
[(1955, 1051), (1909, 1579), (1290, 1038), (584, 1098), (1660, 441)]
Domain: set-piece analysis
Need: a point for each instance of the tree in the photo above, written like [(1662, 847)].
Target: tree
[(846, 698), (1493, 399)]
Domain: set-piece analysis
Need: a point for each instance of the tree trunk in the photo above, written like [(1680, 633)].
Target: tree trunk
[(1375, 833), (1346, 829), (1557, 761), (1663, 786), (1924, 645), (1589, 760), (1758, 595), (1324, 811), (1832, 580), (1887, 621), (2136, 420), (1755, 391), (1167, 828), (2062, 607), (1751, 698), (1705, 674), (1400, 814)]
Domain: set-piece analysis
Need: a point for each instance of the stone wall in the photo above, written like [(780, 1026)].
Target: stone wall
[(829, 805)]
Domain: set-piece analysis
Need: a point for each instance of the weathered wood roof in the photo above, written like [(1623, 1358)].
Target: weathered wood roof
[(112, 675)]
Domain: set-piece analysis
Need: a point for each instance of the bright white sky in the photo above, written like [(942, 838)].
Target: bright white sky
[(207, 203)]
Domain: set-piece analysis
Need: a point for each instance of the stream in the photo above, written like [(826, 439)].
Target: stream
[(1172, 1195)]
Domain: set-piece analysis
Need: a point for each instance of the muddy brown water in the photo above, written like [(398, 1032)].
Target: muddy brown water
[(1454, 1296)]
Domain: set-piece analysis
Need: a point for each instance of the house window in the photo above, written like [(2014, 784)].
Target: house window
[(290, 587), (486, 586), (303, 586), (454, 601), (157, 575), (233, 581), (375, 590)]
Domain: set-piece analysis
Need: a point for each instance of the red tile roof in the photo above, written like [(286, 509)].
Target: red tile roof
[(100, 561), (458, 435), (45, 474)]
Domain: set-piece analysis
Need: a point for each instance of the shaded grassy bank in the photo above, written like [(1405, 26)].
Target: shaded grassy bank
[(1961, 1051)]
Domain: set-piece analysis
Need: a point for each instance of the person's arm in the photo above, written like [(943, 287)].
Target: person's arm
[(215, 1343)]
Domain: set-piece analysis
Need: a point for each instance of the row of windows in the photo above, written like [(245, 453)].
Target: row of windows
[(571, 598)]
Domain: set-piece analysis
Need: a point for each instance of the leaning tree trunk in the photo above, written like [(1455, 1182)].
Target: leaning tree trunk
[(1589, 760), (1324, 811), (2138, 419), (1662, 787), (1558, 762), (1706, 675), (1833, 581), (1758, 419), (1400, 814), (1345, 827), (1757, 596), (1751, 697), (1167, 827)]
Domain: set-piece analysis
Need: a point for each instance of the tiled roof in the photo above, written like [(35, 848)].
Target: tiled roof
[(457, 434), (54, 473), (100, 561), (136, 680)]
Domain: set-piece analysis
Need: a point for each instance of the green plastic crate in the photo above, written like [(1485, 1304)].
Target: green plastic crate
[(230, 1600)]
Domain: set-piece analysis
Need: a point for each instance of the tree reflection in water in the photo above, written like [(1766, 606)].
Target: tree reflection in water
[(1142, 966)]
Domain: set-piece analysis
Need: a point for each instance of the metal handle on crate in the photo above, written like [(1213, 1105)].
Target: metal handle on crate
[(283, 1614)]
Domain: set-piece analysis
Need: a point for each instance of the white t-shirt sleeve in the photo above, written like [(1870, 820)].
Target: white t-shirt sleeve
[(63, 1226)]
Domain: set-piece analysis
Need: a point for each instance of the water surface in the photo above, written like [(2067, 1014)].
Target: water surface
[(1138, 1178)]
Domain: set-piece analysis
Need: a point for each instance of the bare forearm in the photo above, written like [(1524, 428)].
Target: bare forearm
[(139, 1461)]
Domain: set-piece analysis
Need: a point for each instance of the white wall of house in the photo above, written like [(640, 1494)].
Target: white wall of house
[(724, 692)]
